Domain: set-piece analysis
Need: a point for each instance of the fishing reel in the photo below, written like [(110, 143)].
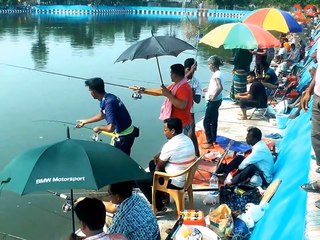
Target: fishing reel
[(67, 206), (136, 95), (137, 92)]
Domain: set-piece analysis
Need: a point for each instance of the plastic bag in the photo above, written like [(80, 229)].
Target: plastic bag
[(221, 219)]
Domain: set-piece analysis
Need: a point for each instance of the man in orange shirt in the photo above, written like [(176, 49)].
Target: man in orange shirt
[(179, 97)]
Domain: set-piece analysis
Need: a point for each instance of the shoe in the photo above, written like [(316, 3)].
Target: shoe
[(311, 187), (318, 170), (317, 204)]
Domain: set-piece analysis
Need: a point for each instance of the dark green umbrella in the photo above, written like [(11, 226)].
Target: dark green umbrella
[(69, 164)]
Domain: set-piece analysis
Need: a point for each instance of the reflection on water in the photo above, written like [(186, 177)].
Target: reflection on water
[(84, 32), (84, 46)]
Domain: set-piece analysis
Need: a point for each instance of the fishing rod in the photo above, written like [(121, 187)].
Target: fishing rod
[(94, 137), (136, 94)]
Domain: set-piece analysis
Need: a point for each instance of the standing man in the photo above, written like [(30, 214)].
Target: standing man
[(116, 115), (178, 101), (190, 67)]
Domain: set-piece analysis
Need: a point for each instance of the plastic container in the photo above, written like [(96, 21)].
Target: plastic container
[(282, 120), (193, 217)]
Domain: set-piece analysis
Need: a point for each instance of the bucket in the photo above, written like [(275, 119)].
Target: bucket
[(282, 120)]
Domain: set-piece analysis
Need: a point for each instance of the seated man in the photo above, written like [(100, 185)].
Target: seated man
[(269, 79), (294, 54), (133, 217), (91, 213), (257, 167), (176, 155), (256, 97)]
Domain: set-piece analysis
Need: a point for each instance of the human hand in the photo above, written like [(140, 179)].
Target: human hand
[(237, 96), (194, 67), (305, 100), (165, 91), (96, 129), (80, 123)]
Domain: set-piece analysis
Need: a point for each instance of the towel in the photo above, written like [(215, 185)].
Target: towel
[(166, 108)]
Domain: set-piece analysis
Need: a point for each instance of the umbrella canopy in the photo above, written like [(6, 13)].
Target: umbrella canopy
[(274, 19), (69, 164), (155, 46), (240, 35)]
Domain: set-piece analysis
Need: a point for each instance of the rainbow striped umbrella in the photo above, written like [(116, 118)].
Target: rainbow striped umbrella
[(274, 19), (240, 35)]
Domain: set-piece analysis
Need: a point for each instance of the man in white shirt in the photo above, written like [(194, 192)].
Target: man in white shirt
[(176, 155), (258, 166)]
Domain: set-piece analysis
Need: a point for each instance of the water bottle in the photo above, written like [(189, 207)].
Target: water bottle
[(214, 181), (213, 196)]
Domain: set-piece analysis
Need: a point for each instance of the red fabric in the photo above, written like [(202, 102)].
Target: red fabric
[(183, 93)]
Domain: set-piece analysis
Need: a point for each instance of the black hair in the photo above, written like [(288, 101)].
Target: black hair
[(256, 133), (91, 212), (123, 189), (189, 62), (174, 123), (251, 73), (95, 84), (178, 69)]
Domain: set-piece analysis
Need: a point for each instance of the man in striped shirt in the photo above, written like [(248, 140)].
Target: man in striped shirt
[(176, 155)]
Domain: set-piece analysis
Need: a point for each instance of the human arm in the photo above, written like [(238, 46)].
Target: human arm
[(218, 90), (178, 103), (151, 91), (269, 85), (306, 95), (96, 118), (245, 95), (104, 128)]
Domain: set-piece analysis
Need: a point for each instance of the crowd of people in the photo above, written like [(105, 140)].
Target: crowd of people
[(133, 217)]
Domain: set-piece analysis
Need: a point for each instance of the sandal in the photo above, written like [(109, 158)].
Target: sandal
[(311, 187), (317, 204)]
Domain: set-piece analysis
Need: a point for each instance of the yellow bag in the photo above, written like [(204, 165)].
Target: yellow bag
[(221, 220)]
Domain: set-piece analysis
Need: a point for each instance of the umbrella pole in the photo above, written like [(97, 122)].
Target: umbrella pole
[(159, 70), (72, 212)]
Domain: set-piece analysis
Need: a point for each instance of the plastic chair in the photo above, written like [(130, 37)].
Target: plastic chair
[(177, 195)]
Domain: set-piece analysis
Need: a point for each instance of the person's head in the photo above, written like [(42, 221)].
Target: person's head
[(177, 72), (254, 135), (293, 46), (251, 76), (172, 127), (96, 87), (214, 63), (120, 191), (187, 66), (91, 213)]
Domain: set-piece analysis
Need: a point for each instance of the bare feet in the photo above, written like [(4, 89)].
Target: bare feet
[(207, 145)]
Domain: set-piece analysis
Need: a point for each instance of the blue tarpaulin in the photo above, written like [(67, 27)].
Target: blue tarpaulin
[(286, 216)]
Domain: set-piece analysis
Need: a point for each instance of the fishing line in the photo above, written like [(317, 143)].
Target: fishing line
[(93, 137), (72, 76), (6, 235)]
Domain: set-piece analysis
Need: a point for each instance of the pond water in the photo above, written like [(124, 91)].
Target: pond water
[(78, 46)]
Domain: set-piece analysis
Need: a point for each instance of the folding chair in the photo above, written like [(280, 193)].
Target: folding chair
[(262, 112)]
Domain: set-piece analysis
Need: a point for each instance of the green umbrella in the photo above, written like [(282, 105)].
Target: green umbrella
[(69, 164)]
